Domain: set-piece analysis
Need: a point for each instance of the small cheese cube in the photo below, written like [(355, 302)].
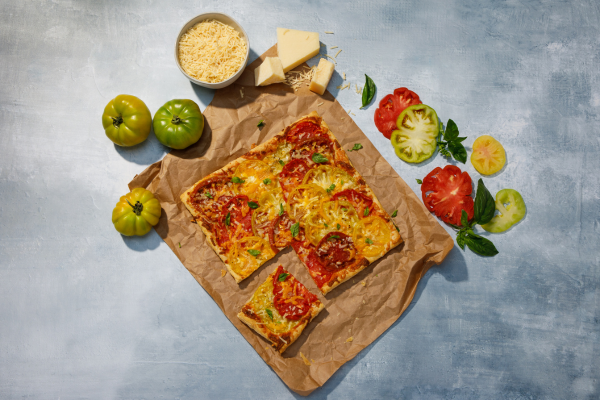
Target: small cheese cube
[(322, 75), (270, 71), (294, 47)]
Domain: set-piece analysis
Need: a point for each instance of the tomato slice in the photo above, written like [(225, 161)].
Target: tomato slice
[(240, 220), (336, 250), (305, 149), (512, 209), (280, 234), (390, 108), (292, 299), (302, 131), (358, 200), (416, 138), (488, 155), (371, 235), (292, 175), (446, 192)]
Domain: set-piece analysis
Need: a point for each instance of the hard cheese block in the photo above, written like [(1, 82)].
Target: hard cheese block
[(270, 71), (294, 47), (322, 75)]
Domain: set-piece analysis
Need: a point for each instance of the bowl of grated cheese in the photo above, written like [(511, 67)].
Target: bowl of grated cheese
[(212, 50)]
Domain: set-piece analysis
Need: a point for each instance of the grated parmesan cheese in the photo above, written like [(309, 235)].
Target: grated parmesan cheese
[(223, 273), (344, 76), (304, 359), (334, 47), (349, 339), (211, 51), (338, 53), (329, 32), (296, 79)]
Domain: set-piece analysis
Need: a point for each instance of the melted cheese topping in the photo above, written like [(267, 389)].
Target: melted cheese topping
[(374, 229), (262, 300), (325, 176), (211, 51), (242, 262), (327, 218), (254, 173), (305, 198)]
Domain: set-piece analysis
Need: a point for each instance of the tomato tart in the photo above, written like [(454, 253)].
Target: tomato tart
[(300, 189), (280, 309)]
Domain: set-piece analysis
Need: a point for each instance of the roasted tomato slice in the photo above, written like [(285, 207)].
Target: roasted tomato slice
[(336, 250), (292, 299), (358, 200), (390, 108), (280, 235), (488, 155), (292, 175), (235, 221), (446, 192), (305, 149), (302, 131)]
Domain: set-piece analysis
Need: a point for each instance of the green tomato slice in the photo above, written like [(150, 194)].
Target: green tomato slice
[(416, 138), (512, 209)]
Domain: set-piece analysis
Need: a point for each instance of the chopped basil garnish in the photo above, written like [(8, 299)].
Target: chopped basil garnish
[(281, 162), (419, 181), (235, 179), (270, 313), (228, 219), (207, 194), (333, 237), (282, 277), (261, 123), (394, 213), (252, 205), (295, 229), (368, 241), (253, 252), (319, 158), (339, 226), (266, 181), (280, 209), (326, 226), (366, 212), (330, 188), (357, 147)]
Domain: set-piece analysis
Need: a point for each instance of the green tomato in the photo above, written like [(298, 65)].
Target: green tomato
[(126, 120), (178, 124), (416, 138), (136, 213), (513, 212)]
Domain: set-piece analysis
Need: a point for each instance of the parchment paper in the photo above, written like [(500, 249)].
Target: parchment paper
[(362, 308)]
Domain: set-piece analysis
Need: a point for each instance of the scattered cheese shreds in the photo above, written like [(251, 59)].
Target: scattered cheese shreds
[(223, 272), (363, 283), (211, 51), (358, 88), (312, 360), (320, 104), (364, 302), (242, 93), (295, 79), (332, 59), (329, 32), (353, 114), (338, 53), (334, 47), (349, 339), (349, 113), (344, 75), (304, 359), (344, 86)]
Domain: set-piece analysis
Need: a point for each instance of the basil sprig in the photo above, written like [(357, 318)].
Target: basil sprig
[(252, 205), (270, 313), (330, 188), (368, 91), (280, 209), (236, 179), (319, 158), (452, 147), (484, 211), (295, 229), (282, 277), (253, 252), (356, 147)]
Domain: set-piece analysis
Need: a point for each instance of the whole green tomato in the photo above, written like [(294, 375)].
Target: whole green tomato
[(136, 212), (178, 124), (126, 120)]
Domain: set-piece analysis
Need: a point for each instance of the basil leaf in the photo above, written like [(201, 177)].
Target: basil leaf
[(451, 131), (460, 239), (464, 218), (281, 162), (397, 229), (366, 211), (270, 313), (235, 179), (332, 237), (207, 194), (330, 188), (420, 182), (280, 209), (252, 205), (458, 151), (319, 158), (394, 213), (261, 123), (357, 147), (339, 226), (266, 181), (253, 252), (179, 244), (485, 206), (480, 245), (368, 91), (228, 219), (295, 229), (282, 277), (368, 241), (326, 226)]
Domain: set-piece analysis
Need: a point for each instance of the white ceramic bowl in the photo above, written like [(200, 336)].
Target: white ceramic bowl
[(226, 19)]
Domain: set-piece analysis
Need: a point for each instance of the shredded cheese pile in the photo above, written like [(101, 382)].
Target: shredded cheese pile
[(295, 79), (211, 51)]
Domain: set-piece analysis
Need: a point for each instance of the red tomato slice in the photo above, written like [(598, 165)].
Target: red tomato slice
[(280, 235), (336, 250), (292, 174), (391, 106), (239, 214), (302, 131), (446, 192), (358, 200), (292, 299)]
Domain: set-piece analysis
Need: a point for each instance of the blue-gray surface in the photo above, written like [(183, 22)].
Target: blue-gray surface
[(86, 313)]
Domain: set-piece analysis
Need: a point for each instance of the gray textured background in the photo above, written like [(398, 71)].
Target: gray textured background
[(87, 313)]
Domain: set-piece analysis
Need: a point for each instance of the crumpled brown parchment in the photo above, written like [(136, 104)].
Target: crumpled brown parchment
[(362, 308)]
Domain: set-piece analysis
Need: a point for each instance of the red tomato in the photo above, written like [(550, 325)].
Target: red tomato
[(293, 302), (279, 233), (302, 131), (336, 250), (446, 192), (391, 106), (292, 174), (239, 214), (358, 200)]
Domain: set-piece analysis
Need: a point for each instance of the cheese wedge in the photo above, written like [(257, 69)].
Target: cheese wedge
[(270, 71), (294, 47), (322, 75)]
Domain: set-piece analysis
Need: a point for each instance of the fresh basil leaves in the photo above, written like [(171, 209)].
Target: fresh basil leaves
[(357, 147), (452, 146), (252, 205), (270, 313), (368, 91), (295, 229), (282, 277), (319, 158), (235, 179), (253, 252)]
